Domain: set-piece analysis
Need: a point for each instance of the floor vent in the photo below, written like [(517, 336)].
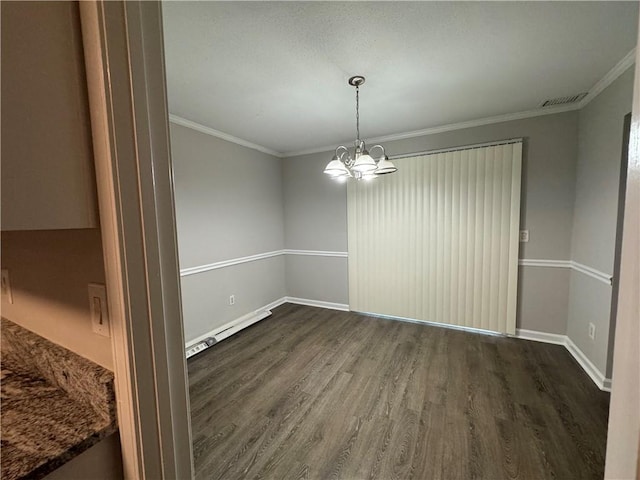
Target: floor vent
[(563, 100)]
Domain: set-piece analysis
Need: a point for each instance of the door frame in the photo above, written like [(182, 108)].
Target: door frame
[(124, 59), (623, 435)]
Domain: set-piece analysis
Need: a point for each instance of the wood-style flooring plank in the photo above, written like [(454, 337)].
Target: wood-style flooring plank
[(311, 393)]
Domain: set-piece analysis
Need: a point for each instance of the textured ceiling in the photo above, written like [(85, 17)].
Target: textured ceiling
[(275, 73)]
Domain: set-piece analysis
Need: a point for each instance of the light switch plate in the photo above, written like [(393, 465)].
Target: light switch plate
[(99, 310), (524, 236), (5, 285)]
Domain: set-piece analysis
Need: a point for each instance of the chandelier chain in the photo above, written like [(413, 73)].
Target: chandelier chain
[(357, 113)]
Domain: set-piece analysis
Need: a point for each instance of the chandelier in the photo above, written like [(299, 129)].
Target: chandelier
[(362, 165)]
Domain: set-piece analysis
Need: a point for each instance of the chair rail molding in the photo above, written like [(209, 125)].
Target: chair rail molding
[(316, 253), (259, 256), (523, 262), (571, 264), (228, 263)]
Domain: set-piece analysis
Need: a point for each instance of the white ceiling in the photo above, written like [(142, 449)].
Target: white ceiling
[(275, 73)]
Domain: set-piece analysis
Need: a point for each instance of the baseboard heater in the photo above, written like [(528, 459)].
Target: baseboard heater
[(225, 331)]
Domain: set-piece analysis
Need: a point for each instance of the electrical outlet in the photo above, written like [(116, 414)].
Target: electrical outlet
[(5, 285), (592, 331), (99, 311), (524, 236), (232, 300)]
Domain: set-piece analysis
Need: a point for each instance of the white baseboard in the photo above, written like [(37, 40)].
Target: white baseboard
[(318, 303), (602, 382), (275, 304), (596, 375), (544, 337)]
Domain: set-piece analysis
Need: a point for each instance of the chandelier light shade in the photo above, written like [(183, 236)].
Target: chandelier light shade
[(361, 165)]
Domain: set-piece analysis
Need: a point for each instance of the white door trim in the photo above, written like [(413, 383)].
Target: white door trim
[(124, 58), (623, 437)]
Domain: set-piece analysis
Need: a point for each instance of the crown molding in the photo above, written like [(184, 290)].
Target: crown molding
[(507, 117), (610, 77), (224, 136)]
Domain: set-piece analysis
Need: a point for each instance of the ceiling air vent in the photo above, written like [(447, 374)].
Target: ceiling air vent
[(564, 100)]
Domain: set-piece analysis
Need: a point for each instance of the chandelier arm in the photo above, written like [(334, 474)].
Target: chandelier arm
[(348, 161), (381, 148), (341, 147)]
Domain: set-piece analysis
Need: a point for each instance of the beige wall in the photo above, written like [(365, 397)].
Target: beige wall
[(228, 205), (48, 180), (595, 216), (315, 212), (50, 271)]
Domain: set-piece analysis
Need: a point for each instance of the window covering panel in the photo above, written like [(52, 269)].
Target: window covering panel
[(438, 240)]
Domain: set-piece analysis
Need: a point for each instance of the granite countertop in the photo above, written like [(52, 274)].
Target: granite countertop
[(55, 404)]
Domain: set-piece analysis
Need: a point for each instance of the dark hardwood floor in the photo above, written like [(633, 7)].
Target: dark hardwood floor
[(315, 393)]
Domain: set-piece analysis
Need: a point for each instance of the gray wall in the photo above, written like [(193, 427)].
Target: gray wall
[(317, 278), (228, 205), (316, 217), (595, 215), (205, 296), (315, 212)]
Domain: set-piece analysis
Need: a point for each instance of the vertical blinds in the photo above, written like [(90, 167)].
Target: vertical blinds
[(438, 240)]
